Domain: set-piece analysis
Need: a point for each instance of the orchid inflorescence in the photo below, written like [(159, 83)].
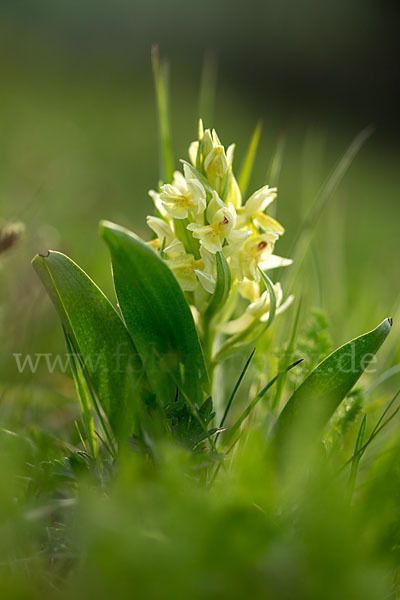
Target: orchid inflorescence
[(201, 214)]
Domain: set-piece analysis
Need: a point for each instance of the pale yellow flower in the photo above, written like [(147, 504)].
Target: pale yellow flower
[(221, 227), (257, 311), (244, 233), (254, 210), (216, 164), (255, 253), (184, 268), (162, 229), (183, 195), (193, 151), (248, 289), (155, 196), (208, 273)]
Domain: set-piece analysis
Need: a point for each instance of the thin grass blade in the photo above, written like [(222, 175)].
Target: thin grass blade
[(208, 87), (254, 403), (248, 163), (357, 456), (235, 389), (161, 84)]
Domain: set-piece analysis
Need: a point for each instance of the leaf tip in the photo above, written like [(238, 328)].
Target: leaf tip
[(38, 258), (106, 229), (390, 321)]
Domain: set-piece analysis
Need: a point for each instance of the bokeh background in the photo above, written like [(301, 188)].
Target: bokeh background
[(78, 140)]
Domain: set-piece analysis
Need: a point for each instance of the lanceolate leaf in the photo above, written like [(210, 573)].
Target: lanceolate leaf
[(322, 391), (157, 317), (98, 335)]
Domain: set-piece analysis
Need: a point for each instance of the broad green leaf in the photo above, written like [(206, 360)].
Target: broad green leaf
[(97, 333), (157, 317), (222, 286), (245, 172), (324, 389)]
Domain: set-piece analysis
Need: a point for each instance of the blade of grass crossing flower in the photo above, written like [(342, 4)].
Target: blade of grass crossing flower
[(161, 76), (157, 317), (357, 456), (315, 400), (248, 163), (254, 403)]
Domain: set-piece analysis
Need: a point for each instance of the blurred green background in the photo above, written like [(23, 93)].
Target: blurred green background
[(78, 143), (78, 135)]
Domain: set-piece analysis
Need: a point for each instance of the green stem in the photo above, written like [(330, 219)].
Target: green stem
[(208, 343)]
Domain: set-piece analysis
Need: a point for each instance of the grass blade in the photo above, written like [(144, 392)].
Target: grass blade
[(208, 87), (248, 163), (381, 424), (274, 169), (235, 389), (304, 237), (161, 77), (287, 358), (254, 403), (357, 456)]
